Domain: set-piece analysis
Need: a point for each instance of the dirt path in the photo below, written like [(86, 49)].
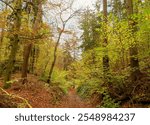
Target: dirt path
[(72, 100)]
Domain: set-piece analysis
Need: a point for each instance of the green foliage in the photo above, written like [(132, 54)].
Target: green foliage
[(87, 77), (89, 23), (59, 78), (9, 83), (108, 102)]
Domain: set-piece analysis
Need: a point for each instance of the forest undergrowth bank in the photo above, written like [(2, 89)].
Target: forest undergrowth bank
[(37, 94)]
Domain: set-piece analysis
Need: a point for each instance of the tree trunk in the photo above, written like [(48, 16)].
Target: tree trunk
[(27, 50), (2, 36), (1, 41), (14, 43), (55, 57), (11, 60), (105, 42), (133, 51), (33, 59)]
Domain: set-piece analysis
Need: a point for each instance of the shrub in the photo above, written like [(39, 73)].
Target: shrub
[(108, 102)]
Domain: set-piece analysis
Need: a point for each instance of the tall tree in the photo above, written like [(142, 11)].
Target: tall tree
[(37, 19), (89, 24), (105, 41), (133, 50), (63, 19), (118, 9), (14, 38)]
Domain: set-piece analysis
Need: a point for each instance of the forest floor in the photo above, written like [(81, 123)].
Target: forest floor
[(40, 96)]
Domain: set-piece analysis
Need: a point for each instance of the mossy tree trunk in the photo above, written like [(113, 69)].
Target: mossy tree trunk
[(14, 39)]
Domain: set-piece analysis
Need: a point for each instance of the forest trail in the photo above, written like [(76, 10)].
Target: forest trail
[(72, 100)]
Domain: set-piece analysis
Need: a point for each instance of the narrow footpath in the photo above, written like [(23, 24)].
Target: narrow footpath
[(72, 100)]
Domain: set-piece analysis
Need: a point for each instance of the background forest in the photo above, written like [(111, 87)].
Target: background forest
[(55, 54)]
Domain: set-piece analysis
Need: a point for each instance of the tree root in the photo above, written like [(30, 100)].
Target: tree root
[(16, 97)]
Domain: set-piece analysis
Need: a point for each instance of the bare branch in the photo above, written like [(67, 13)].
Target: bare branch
[(7, 4)]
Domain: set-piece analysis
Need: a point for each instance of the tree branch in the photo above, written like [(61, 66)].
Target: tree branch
[(7, 4), (15, 96)]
